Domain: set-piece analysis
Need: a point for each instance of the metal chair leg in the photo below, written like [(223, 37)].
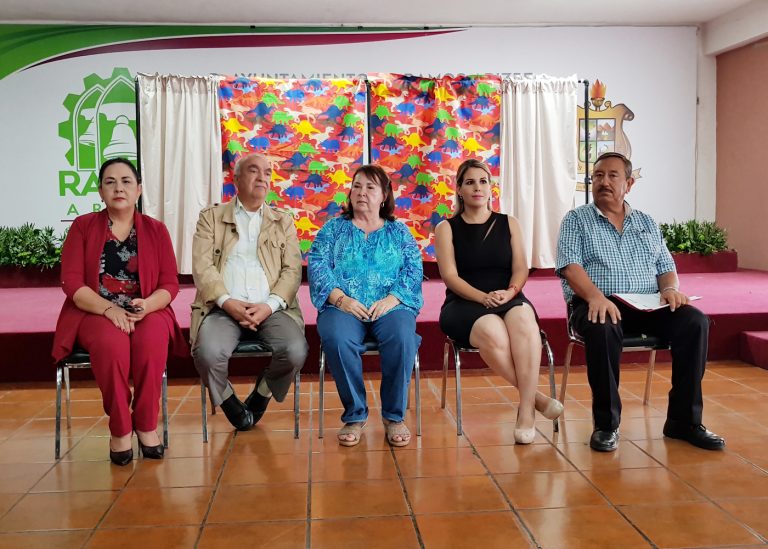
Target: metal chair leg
[(457, 363), (651, 364), (59, 375), (296, 382), (566, 370), (445, 374), (552, 388), (322, 394), (203, 406), (69, 400), (416, 373), (165, 408)]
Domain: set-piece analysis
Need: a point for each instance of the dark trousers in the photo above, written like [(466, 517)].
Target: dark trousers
[(686, 330)]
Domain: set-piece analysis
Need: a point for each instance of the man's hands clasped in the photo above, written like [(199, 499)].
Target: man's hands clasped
[(248, 315)]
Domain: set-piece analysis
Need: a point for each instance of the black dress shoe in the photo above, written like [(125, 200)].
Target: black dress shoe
[(604, 441), (693, 434), (121, 458), (238, 415), (152, 452), (257, 403)]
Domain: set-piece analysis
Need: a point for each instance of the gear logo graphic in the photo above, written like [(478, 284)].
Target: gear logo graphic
[(102, 121)]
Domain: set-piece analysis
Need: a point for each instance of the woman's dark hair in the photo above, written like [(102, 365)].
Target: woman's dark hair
[(118, 160), (377, 174), (461, 174)]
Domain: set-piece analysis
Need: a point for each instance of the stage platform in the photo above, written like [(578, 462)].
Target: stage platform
[(737, 302)]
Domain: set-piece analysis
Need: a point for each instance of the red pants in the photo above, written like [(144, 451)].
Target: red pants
[(115, 355)]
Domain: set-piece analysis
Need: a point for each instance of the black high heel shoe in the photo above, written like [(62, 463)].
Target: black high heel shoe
[(150, 452), (121, 458)]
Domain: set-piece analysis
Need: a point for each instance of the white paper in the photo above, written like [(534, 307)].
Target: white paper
[(646, 302)]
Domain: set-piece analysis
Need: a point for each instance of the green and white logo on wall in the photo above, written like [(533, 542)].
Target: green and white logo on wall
[(101, 126)]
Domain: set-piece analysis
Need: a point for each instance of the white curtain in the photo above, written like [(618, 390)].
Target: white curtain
[(538, 170), (180, 139)]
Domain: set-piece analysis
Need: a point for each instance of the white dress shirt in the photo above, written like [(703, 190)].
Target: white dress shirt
[(243, 274)]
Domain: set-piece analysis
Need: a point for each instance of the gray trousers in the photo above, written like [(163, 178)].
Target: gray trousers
[(219, 335)]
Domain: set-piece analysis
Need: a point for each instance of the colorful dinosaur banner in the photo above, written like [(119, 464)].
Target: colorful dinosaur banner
[(312, 131), (422, 129)]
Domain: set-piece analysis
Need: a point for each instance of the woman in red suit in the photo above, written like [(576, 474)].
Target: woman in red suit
[(118, 271)]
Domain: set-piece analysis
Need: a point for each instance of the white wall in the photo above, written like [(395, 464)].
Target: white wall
[(651, 70)]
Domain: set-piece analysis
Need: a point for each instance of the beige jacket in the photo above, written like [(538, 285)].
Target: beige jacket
[(216, 236)]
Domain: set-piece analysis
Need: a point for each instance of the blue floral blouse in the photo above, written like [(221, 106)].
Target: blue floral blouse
[(368, 269)]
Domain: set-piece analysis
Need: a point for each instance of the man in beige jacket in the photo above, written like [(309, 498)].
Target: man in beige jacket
[(246, 265)]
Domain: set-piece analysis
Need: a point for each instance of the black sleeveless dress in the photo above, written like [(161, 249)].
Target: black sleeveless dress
[(483, 255)]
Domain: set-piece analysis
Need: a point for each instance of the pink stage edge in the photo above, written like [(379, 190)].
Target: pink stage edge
[(736, 302)]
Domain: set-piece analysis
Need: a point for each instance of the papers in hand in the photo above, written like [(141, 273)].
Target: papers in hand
[(646, 302)]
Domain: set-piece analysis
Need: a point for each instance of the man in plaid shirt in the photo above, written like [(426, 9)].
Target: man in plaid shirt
[(605, 248)]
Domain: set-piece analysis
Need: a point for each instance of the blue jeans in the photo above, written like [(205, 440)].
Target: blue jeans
[(342, 338)]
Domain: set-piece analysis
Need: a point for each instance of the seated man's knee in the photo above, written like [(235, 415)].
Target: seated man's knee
[(295, 351), (601, 331), (207, 353)]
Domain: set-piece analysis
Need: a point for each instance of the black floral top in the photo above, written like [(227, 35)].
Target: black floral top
[(119, 273)]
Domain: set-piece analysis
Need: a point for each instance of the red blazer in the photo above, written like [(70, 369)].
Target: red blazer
[(80, 265)]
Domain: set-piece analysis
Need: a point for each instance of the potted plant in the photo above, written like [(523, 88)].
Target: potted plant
[(699, 247), (29, 256)]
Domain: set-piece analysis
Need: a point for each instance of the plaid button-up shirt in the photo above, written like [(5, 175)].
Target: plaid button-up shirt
[(626, 262)]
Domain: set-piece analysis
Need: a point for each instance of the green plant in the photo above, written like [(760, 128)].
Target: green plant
[(702, 237), (29, 246)]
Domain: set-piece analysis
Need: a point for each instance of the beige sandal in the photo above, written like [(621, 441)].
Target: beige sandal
[(354, 429), (397, 429)]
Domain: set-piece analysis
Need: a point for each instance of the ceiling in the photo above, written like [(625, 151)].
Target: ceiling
[(370, 13)]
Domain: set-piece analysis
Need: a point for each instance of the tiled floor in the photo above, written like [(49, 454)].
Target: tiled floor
[(265, 489)]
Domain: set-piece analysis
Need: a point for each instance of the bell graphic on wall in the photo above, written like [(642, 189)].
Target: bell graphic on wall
[(123, 142)]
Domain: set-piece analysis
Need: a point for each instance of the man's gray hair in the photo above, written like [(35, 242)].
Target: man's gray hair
[(237, 164)]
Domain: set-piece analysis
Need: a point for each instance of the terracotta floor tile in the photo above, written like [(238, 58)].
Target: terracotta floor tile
[(628, 456), (21, 410), (357, 499), (501, 434), (468, 380), (486, 530), (483, 395), (435, 436), (256, 442), (751, 511), (32, 450), (84, 475), (258, 502), (191, 445), (544, 490), (180, 537), (158, 507), (353, 466), (91, 448), (73, 539), (267, 535), (642, 428), (576, 409), (371, 533), (20, 477), (571, 430), (266, 468), (576, 391), (10, 426), (634, 486), (734, 425), (57, 511), (691, 524), (439, 462), (454, 494), (581, 527), (7, 501), (520, 458), (489, 413), (35, 428), (673, 453), (712, 387), (175, 472), (741, 403), (733, 480)]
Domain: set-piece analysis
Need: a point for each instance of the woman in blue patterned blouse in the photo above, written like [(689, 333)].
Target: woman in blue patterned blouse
[(365, 275)]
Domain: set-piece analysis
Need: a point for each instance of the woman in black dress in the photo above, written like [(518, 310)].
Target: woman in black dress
[(481, 260)]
